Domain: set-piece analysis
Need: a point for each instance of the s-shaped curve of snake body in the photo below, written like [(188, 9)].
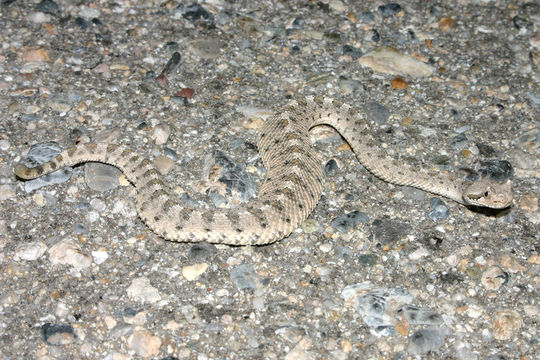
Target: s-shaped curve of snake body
[(293, 185)]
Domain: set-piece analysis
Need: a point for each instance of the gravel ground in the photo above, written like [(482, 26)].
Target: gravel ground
[(377, 271)]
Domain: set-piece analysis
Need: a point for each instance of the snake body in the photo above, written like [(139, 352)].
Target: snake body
[(293, 185)]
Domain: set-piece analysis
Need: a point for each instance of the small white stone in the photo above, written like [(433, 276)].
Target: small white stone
[(37, 17), (62, 310), (110, 322), (326, 247), (92, 216), (191, 272), (4, 144), (7, 192), (390, 61), (38, 199), (141, 290), (68, 252), (164, 164), (89, 13), (419, 253), (144, 343), (31, 251), (161, 133), (337, 5), (474, 311), (99, 256), (222, 292), (9, 298)]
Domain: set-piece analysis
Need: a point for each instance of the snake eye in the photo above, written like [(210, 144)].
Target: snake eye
[(486, 194)]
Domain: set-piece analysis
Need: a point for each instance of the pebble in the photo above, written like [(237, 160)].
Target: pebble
[(30, 251), (505, 324), (237, 180), (191, 272), (163, 164), (419, 253), (202, 251), (459, 142), (300, 351), (36, 55), (500, 170), (99, 256), (377, 112), (207, 49), (447, 23), (37, 17), (58, 334), (439, 211), (244, 277), (310, 226), (418, 316), (4, 144), (390, 61), (141, 290), (389, 9), (388, 231), (347, 222), (144, 343), (377, 306), (399, 84), (7, 191), (494, 278), (161, 134), (68, 252), (48, 6), (425, 340), (195, 12), (331, 167)]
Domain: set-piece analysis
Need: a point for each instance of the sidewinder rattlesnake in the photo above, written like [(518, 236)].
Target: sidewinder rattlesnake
[(293, 186)]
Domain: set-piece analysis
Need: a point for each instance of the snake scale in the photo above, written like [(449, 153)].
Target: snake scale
[(293, 185)]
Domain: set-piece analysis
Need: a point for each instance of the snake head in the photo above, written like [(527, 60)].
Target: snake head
[(489, 193)]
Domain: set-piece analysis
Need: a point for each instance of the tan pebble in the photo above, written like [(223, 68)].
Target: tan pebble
[(512, 264), (68, 252), (139, 318), (110, 322), (534, 259), (399, 83), (36, 55), (528, 202), (466, 153), (505, 324), (252, 123), (38, 199), (191, 272), (402, 329), (120, 67), (172, 325), (493, 278), (346, 346), (161, 134), (446, 24), (164, 164), (407, 121), (390, 61), (140, 289), (344, 147), (144, 343), (123, 180)]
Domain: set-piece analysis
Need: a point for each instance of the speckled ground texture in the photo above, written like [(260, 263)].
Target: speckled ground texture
[(376, 272)]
